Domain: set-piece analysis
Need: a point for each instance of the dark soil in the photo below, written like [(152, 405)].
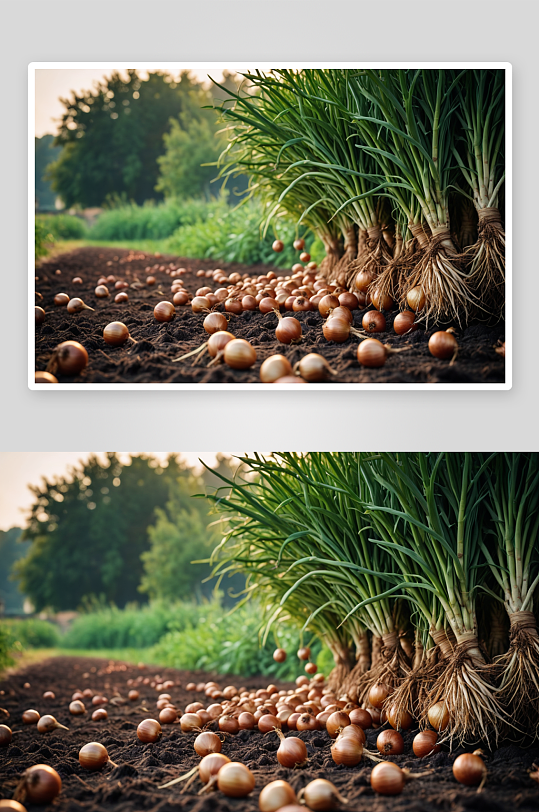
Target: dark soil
[(133, 784), (150, 360)]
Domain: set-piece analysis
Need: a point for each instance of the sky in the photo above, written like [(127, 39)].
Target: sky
[(18, 469), (53, 84)]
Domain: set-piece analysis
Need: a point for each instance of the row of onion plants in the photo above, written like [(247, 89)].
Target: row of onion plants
[(399, 172), (418, 570)]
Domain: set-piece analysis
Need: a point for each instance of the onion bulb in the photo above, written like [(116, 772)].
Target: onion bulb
[(348, 300), (278, 246), (299, 244), (381, 301), (40, 784), (388, 779), (268, 722), (200, 304), (61, 299), (288, 330), (390, 743), (363, 281), (416, 299), (115, 333), (311, 668), (218, 341), (13, 806), (327, 304), (48, 723), (398, 718), (425, 743), (164, 311), (372, 353), (374, 322), (235, 780), (229, 724), (469, 769), (239, 354), (99, 715), (5, 735), (404, 322), (321, 795), (181, 297), (121, 297), (292, 751), (101, 291), (77, 708), (360, 717), (336, 329), (69, 357), (336, 722), (210, 766), (149, 730), (93, 756), (40, 315), (190, 722), (215, 322), (45, 377), (438, 716), (347, 750), (378, 695), (443, 345), (206, 743), (273, 368), (30, 717), (314, 367), (275, 795), (76, 305), (168, 715), (246, 721)]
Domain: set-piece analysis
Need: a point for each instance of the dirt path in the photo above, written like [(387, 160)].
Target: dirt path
[(132, 786), (150, 361)]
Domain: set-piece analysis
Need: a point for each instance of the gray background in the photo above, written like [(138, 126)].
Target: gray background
[(268, 31)]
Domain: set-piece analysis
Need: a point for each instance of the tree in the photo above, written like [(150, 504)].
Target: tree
[(88, 531), (112, 136), (11, 549), (46, 153), (191, 142)]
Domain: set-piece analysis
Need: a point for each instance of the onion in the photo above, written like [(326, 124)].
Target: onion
[(267, 305), (404, 322), (279, 655), (274, 367), (61, 299), (77, 708), (133, 696), (342, 312), (70, 357), (379, 692), (347, 750), (48, 723), (336, 722), (424, 744), (215, 322), (299, 244), (275, 795), (443, 345), (278, 246), (218, 341), (311, 668), (168, 716), (76, 305), (121, 297), (164, 311), (45, 377), (301, 305), (149, 730), (292, 720), (210, 766), (200, 304), (115, 333), (5, 735), (348, 300), (99, 715), (361, 717), (374, 322), (40, 315), (181, 297), (246, 721), (150, 280), (288, 330), (336, 329), (292, 751), (388, 779), (249, 303), (93, 756), (229, 724), (235, 780), (306, 721), (469, 769), (214, 711), (101, 291), (327, 304), (40, 784), (372, 353), (30, 717), (268, 722), (399, 719), (321, 795), (233, 306), (416, 299), (206, 743), (15, 806), (314, 367), (354, 731), (390, 743), (239, 354), (190, 722), (363, 280), (438, 716), (381, 301)]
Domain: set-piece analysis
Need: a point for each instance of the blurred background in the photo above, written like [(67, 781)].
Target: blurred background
[(129, 159), (108, 553)]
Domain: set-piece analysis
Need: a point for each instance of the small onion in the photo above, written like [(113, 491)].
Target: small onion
[(299, 244), (443, 345), (246, 721), (210, 766), (438, 716), (354, 731), (76, 305), (301, 305), (371, 353), (115, 333), (101, 291), (133, 696), (404, 322), (93, 756), (314, 367), (288, 330), (399, 719), (292, 752), (307, 722), (274, 367), (275, 795), (181, 297), (321, 795), (278, 246), (239, 354), (361, 717), (305, 257), (235, 780), (469, 769), (336, 329), (40, 315), (30, 717), (347, 750), (381, 301), (71, 357), (268, 722), (164, 311), (215, 322), (77, 708), (416, 299), (45, 377), (150, 280), (99, 715), (206, 743), (168, 715), (149, 730), (121, 297), (267, 305), (336, 722), (41, 784), (348, 300), (216, 343), (249, 303), (379, 691), (363, 281), (388, 779), (374, 322), (190, 722), (425, 743), (48, 723), (326, 304), (5, 735), (13, 806), (342, 312), (61, 299), (200, 304), (311, 668), (229, 724), (390, 743)]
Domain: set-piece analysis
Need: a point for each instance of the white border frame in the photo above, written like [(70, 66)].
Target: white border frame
[(243, 67)]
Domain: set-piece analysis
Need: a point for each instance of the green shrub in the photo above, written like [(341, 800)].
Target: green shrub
[(150, 221), (42, 237), (5, 647), (63, 226), (32, 633)]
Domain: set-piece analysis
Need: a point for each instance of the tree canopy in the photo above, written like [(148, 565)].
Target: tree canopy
[(46, 153), (11, 549)]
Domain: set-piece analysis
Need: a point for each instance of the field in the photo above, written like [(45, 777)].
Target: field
[(151, 359), (142, 768)]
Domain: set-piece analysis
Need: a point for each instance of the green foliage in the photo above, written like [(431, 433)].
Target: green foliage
[(64, 226), (89, 529), (134, 626), (31, 633), (45, 153), (11, 549), (148, 222), (231, 645), (5, 646), (42, 239)]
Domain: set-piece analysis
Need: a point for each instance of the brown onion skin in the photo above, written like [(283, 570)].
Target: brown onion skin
[(399, 719), (416, 299), (320, 795), (101, 292), (469, 769), (378, 695), (273, 368), (168, 716), (425, 743), (99, 715), (239, 354), (229, 724), (218, 341), (349, 300), (206, 743), (246, 721), (381, 301), (292, 720), (337, 330), (115, 334), (314, 367), (180, 298), (363, 281), (390, 743), (235, 780), (292, 752), (71, 357), (275, 795), (347, 751), (149, 730), (77, 708), (361, 717), (288, 330), (30, 717), (40, 315), (371, 353), (267, 305), (121, 297), (438, 716), (374, 322), (93, 756), (164, 311), (61, 299), (388, 779), (42, 376), (5, 735), (356, 732), (342, 312), (268, 722), (215, 323), (278, 246), (42, 784), (326, 304), (249, 303), (210, 766), (307, 722), (336, 722), (301, 305), (404, 323), (200, 304), (233, 306), (442, 345), (11, 806)]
